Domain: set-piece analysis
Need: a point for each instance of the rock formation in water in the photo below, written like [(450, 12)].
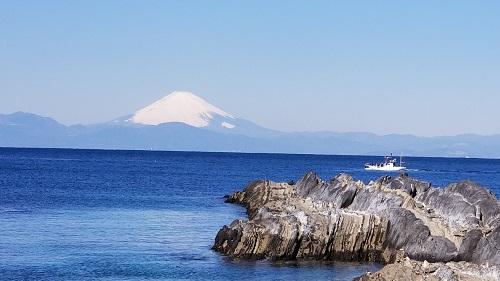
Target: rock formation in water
[(416, 270), (346, 220)]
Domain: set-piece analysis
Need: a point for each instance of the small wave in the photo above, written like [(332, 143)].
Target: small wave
[(440, 171), (191, 258), (453, 171), (413, 170), (13, 210), (481, 172)]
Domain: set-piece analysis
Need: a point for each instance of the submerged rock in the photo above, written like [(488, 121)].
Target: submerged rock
[(344, 219)]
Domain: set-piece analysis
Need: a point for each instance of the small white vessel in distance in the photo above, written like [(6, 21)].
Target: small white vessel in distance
[(389, 164)]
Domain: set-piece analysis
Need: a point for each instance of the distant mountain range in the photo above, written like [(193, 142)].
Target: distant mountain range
[(183, 121)]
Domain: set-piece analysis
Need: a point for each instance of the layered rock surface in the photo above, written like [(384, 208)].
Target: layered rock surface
[(344, 219), (415, 270)]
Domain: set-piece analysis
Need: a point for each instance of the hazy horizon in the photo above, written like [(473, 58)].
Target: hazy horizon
[(425, 69)]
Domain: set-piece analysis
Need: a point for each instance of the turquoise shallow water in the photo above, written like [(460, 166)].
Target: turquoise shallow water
[(142, 215)]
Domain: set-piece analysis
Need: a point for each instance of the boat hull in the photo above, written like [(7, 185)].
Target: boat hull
[(385, 169)]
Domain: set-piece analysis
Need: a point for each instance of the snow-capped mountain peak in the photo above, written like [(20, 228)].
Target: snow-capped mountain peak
[(183, 107)]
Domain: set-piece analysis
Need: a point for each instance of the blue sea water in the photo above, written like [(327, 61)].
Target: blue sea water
[(146, 215)]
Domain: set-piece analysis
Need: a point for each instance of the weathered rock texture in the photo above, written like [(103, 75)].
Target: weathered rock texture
[(344, 219), (415, 270)]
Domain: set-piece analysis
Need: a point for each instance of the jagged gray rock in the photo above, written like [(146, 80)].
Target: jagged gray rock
[(344, 219), (415, 270)]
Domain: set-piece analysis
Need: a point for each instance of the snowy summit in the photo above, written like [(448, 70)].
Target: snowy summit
[(183, 107)]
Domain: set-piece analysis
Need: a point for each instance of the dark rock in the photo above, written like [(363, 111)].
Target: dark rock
[(344, 219)]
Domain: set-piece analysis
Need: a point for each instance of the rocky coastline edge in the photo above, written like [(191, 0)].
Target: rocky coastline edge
[(418, 231)]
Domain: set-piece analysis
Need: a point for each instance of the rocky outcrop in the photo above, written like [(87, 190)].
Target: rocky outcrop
[(284, 224), (344, 219), (415, 270)]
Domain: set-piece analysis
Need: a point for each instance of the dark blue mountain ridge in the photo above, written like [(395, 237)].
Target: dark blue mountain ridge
[(23, 129)]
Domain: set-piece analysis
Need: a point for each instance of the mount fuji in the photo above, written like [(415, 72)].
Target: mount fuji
[(191, 110), (182, 121), (182, 107)]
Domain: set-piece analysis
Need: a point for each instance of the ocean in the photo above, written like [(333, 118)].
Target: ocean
[(149, 215)]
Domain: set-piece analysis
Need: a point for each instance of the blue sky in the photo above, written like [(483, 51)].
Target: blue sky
[(422, 67)]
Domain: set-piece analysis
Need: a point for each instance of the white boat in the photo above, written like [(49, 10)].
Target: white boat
[(389, 164)]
